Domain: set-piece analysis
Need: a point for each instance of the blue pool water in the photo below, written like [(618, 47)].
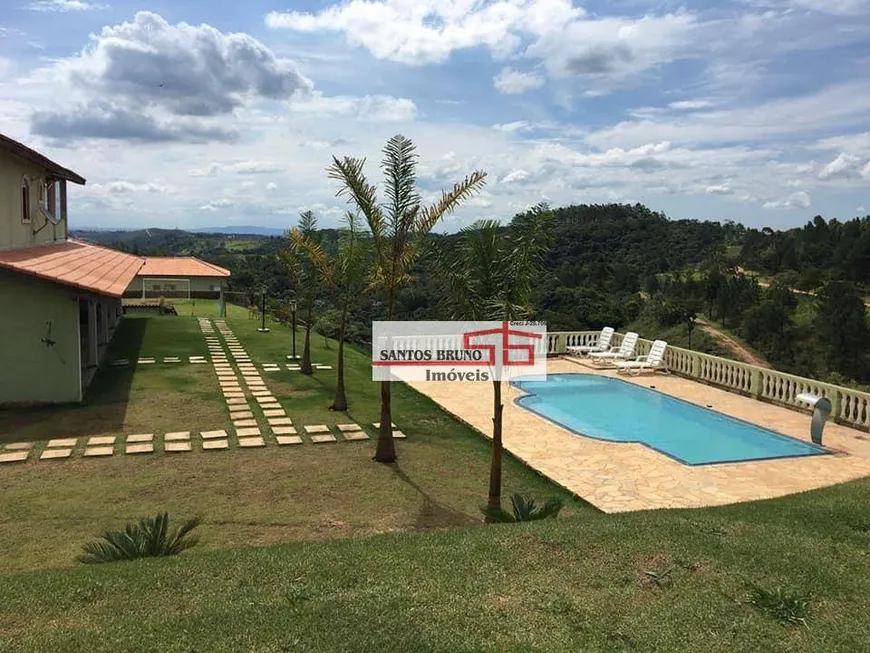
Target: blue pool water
[(611, 409)]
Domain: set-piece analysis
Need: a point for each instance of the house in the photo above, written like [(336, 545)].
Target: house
[(178, 276), (60, 299)]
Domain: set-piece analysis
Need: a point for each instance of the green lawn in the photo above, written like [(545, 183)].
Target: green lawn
[(316, 548), (248, 497), (575, 584)]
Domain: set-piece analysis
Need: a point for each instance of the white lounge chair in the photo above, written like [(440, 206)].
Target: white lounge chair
[(654, 360), (624, 352), (603, 344)]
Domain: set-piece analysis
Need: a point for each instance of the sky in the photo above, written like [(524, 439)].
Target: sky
[(204, 114)]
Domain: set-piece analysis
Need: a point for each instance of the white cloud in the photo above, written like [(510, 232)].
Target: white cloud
[(718, 189), (371, 108), (841, 7), (64, 5), (798, 200), (271, 186), (513, 127), (691, 105), (569, 43), (246, 167), (512, 81), (217, 205), (515, 176), (846, 166)]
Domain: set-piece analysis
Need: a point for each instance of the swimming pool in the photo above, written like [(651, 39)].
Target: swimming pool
[(611, 409)]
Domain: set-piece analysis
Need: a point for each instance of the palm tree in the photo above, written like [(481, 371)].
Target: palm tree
[(343, 276), (307, 278), (399, 229), (490, 275)]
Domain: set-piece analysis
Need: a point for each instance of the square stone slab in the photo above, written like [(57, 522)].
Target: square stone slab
[(291, 357), (99, 451), (274, 412), (323, 367), (18, 446), (196, 358), (14, 457), (241, 414), (243, 433), (293, 368), (399, 435), (261, 394), (233, 395), (145, 361), (171, 359), (355, 435), (240, 423), (344, 428), (272, 406), (289, 439), (176, 447), (280, 421), (267, 399), (317, 428), (230, 388), (142, 437), (251, 442), (104, 440), (208, 445), (121, 362), (203, 362), (139, 448), (283, 430), (63, 442), (377, 425), (211, 435), (177, 436), (320, 439), (50, 454), (236, 401)]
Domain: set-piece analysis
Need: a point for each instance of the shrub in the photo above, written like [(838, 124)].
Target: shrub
[(786, 607), (524, 509), (149, 537)]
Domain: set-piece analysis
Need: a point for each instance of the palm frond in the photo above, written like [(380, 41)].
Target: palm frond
[(349, 172), (149, 537), (449, 201), (400, 171)]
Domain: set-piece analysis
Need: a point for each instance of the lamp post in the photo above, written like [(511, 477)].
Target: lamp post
[(293, 317), (263, 328)]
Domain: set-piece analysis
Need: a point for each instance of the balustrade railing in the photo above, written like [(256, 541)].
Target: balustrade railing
[(850, 407)]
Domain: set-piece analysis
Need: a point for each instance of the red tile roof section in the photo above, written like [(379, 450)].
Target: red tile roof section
[(180, 266), (77, 264)]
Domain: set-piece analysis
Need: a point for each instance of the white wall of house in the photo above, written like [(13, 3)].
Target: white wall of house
[(21, 228)]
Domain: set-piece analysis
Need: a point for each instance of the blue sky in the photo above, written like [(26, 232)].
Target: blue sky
[(210, 114)]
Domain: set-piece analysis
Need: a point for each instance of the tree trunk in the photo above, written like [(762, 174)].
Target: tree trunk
[(340, 400), (306, 368), (385, 452), (494, 501)]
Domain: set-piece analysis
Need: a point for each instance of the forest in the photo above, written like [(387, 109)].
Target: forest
[(794, 297)]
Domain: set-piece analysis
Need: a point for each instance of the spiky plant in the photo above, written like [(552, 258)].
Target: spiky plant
[(399, 228), (523, 509), (147, 538), (789, 608)]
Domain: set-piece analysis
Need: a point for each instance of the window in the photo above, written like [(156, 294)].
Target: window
[(25, 200)]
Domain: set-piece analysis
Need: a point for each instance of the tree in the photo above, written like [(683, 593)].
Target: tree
[(303, 266), (490, 275), (343, 276), (399, 229), (842, 324)]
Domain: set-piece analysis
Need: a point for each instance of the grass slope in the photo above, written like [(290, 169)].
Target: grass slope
[(577, 584)]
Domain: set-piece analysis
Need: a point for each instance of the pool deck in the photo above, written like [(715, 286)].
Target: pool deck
[(621, 477)]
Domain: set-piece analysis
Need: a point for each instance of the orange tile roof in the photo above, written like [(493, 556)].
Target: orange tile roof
[(77, 264), (180, 266)]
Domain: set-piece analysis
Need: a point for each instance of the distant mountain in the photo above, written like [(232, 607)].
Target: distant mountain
[(249, 230)]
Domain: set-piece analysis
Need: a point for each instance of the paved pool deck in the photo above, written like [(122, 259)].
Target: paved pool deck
[(621, 477)]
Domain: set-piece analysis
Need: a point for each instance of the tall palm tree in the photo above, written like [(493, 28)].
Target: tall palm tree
[(342, 275), (491, 275), (399, 229), (307, 277)]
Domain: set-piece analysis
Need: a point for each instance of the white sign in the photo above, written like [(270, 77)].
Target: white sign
[(459, 351)]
